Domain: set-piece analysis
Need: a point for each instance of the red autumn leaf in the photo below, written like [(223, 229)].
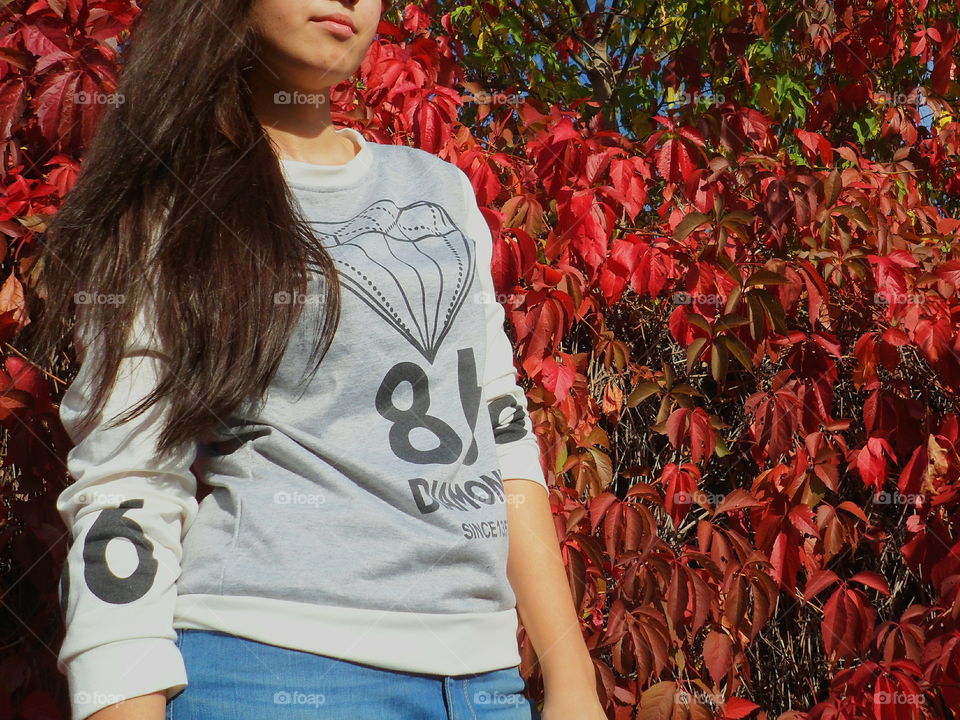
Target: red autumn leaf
[(702, 436), (675, 160), (717, 654), (653, 270), (819, 581), (12, 300), (630, 176), (870, 462), (785, 558), (815, 144), (658, 701), (12, 103), (737, 708), (773, 421), (873, 580), (26, 377), (737, 500), (681, 486), (14, 401), (558, 377)]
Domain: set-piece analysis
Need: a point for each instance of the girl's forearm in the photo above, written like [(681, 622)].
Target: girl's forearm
[(536, 573), (151, 706)]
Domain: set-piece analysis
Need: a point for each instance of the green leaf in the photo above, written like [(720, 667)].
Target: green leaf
[(693, 352), (641, 392), (738, 350), (690, 223)]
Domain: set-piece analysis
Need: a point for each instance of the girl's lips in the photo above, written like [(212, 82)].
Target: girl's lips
[(336, 27)]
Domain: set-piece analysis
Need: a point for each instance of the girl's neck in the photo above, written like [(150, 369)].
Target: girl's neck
[(299, 124)]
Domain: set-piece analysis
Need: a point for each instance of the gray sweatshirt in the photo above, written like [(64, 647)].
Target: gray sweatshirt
[(361, 515)]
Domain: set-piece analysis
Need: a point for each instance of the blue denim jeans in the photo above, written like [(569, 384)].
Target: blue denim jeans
[(234, 678)]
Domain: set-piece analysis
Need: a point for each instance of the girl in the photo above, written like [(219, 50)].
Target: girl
[(370, 531)]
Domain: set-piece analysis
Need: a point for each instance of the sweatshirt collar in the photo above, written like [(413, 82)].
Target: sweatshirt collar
[(331, 177)]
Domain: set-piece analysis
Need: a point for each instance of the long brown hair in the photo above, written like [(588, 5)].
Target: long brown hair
[(184, 160)]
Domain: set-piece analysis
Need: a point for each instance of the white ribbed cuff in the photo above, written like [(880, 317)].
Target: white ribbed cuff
[(521, 460), (124, 669)]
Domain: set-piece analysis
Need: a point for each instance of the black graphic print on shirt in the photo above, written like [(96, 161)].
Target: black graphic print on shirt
[(99, 577), (419, 285), (415, 269)]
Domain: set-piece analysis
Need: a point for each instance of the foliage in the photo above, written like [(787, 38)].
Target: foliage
[(727, 236)]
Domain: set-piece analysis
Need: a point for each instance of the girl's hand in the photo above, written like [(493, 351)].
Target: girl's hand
[(570, 687), (572, 702)]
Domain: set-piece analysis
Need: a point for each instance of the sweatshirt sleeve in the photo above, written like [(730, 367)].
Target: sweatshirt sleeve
[(518, 451), (126, 513)]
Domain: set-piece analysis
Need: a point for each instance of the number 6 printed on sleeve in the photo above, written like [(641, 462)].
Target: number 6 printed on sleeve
[(126, 512)]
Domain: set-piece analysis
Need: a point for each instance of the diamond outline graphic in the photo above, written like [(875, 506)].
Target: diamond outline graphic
[(423, 228)]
